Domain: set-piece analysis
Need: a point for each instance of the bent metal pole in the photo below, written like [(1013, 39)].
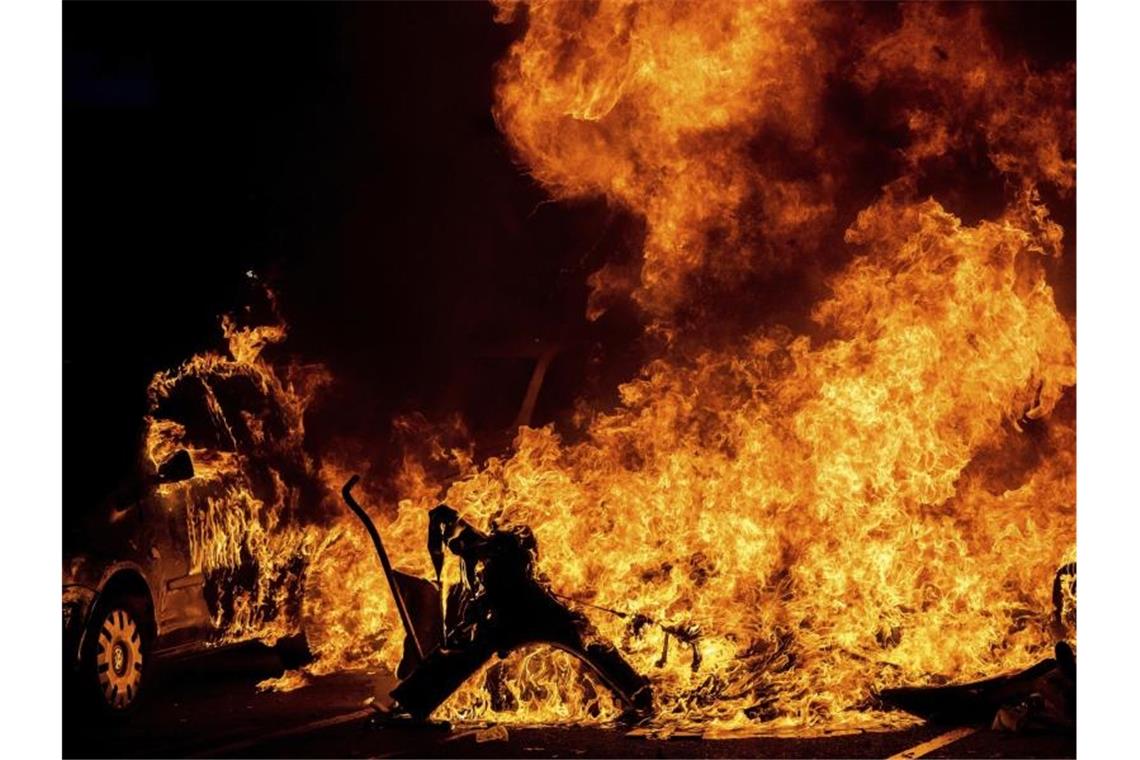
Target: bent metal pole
[(405, 618)]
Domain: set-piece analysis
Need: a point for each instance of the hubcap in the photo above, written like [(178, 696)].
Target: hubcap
[(119, 659)]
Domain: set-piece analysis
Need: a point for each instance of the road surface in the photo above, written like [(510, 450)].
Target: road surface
[(211, 707)]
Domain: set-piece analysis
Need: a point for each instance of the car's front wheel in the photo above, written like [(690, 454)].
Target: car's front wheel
[(115, 665)]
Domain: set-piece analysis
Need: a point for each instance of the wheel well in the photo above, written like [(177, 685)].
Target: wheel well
[(129, 584)]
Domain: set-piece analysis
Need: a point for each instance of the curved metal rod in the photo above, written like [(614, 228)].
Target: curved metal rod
[(405, 618)]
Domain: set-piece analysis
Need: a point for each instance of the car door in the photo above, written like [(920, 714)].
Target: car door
[(184, 552), (262, 591), (237, 518)]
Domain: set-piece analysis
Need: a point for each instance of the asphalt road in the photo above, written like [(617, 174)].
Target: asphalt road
[(210, 707)]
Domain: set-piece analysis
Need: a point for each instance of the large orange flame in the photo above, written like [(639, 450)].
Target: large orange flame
[(825, 512), (882, 499)]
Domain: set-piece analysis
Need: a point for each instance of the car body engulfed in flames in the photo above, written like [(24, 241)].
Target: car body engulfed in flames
[(207, 543)]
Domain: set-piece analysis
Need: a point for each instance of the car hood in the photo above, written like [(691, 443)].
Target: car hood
[(103, 535)]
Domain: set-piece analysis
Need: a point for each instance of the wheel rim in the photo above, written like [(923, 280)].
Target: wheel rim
[(119, 659)]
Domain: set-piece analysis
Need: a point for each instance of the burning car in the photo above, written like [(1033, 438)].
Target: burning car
[(214, 538), (206, 544)]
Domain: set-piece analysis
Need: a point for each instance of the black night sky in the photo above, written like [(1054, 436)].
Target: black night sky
[(347, 155)]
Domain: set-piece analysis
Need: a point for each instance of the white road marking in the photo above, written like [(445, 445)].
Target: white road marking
[(236, 747), (937, 742)]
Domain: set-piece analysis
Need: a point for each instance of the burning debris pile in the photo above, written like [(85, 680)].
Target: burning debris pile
[(875, 496)]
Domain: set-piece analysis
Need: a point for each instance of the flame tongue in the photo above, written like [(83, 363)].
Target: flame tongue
[(654, 105)]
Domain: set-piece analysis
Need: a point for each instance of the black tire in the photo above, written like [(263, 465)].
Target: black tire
[(115, 666)]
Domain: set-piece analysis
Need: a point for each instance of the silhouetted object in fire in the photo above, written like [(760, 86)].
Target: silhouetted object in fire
[(1042, 697), (688, 634), (1039, 698), (502, 604)]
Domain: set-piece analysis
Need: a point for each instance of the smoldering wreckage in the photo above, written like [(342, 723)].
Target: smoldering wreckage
[(502, 604), (852, 517)]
